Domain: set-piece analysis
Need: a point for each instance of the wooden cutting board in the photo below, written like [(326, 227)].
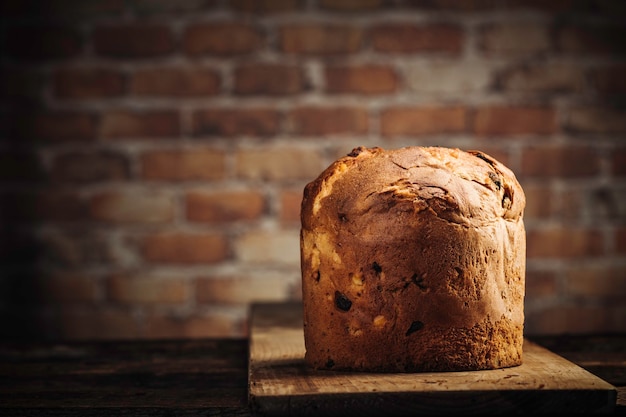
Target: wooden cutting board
[(280, 383)]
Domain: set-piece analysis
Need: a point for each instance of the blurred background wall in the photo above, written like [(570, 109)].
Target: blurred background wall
[(153, 153)]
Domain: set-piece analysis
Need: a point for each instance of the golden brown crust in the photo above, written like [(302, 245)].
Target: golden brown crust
[(413, 260)]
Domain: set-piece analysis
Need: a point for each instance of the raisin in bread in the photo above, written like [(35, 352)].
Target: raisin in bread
[(413, 260)]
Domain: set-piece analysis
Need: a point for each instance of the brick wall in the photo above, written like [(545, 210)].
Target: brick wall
[(153, 153)]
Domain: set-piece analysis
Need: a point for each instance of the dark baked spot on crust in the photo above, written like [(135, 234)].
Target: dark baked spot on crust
[(377, 268), (317, 276), (483, 157), (496, 180), (343, 217), (414, 327), (356, 151), (330, 363), (342, 302)]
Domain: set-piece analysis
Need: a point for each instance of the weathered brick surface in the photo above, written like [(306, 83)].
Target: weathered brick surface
[(176, 82), (283, 165), (185, 248), (423, 120), (597, 120), (409, 38), (270, 79), (364, 79), (143, 289), (92, 83), (241, 289), (134, 206), (236, 121), (564, 243), (224, 206), (447, 77), (222, 39), (320, 39), (314, 120), (553, 161), (555, 78), (123, 123), (513, 39), (180, 164), (515, 120), (153, 154), (85, 167)]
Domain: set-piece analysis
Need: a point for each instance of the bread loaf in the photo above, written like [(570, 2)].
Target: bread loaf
[(413, 260)]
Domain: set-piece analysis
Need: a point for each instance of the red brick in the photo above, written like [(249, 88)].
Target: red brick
[(41, 42), (564, 243), (118, 124), (161, 326), (540, 201), (266, 6), (513, 39), (320, 39), (411, 38), (185, 248), (609, 80), (618, 162), (83, 167), (281, 164), (141, 289), (597, 119), (398, 121), (241, 290), (515, 120), (136, 40), (559, 161), (351, 5), (290, 201), (179, 164), (236, 121), (132, 206), (221, 38), (269, 79), (88, 83), (56, 126), (363, 79), (605, 282), (554, 78), (591, 39), (316, 120), (175, 82), (225, 206), (541, 283)]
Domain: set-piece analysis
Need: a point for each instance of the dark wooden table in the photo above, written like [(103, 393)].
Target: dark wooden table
[(192, 377)]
